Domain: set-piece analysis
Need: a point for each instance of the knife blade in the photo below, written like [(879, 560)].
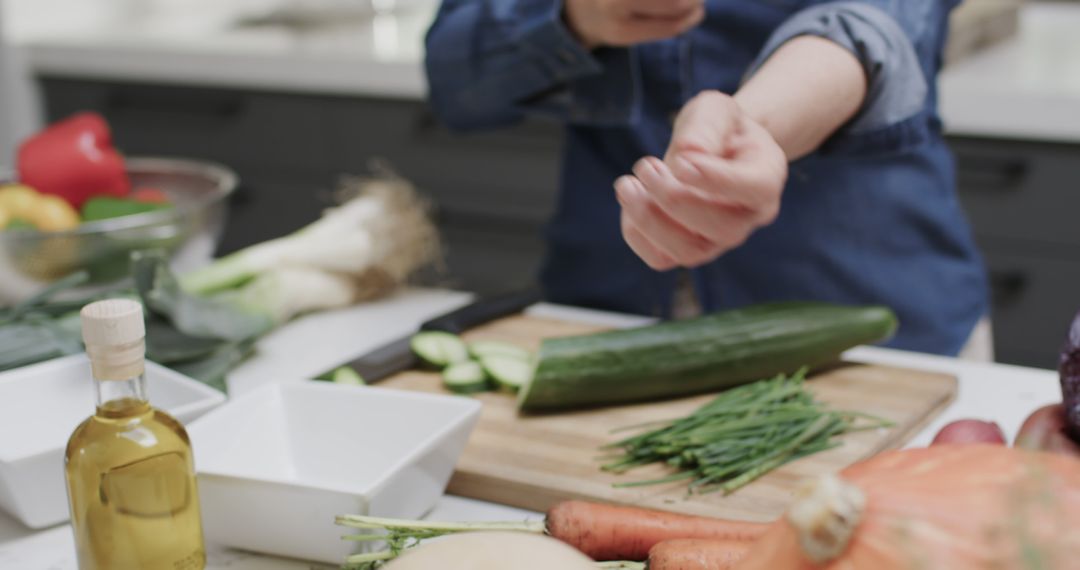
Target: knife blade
[(397, 355)]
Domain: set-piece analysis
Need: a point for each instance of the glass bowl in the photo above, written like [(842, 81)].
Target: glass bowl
[(30, 260)]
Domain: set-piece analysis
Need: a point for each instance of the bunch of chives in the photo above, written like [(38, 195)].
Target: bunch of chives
[(741, 435)]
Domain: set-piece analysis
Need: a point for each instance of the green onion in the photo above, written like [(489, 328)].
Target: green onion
[(374, 241), (739, 436)]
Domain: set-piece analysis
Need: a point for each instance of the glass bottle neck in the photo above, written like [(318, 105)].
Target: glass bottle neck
[(121, 398)]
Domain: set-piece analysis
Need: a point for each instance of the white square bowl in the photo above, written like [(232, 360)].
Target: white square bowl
[(41, 404), (277, 464)]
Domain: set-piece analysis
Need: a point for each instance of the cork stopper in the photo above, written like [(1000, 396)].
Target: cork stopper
[(114, 332)]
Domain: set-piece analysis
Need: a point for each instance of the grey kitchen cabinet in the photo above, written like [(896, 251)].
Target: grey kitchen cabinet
[(257, 130), (1022, 200), (492, 192)]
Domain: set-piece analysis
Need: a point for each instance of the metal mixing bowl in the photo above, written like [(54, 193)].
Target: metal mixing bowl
[(190, 230)]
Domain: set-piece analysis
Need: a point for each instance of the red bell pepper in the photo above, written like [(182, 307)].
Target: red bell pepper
[(148, 195), (74, 159)]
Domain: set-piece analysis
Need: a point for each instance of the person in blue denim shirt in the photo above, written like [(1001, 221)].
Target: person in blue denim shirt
[(767, 149)]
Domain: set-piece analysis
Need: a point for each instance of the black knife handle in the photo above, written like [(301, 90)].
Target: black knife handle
[(483, 310)]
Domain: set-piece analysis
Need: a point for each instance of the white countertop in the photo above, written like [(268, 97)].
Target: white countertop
[(196, 42), (1027, 88), (1005, 394)]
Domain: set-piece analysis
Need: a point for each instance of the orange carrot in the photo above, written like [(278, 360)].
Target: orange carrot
[(608, 532), (697, 554)]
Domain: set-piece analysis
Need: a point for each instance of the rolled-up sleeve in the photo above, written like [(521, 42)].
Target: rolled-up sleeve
[(491, 62), (883, 36)]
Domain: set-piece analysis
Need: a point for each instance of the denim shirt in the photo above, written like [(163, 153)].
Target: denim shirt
[(870, 217)]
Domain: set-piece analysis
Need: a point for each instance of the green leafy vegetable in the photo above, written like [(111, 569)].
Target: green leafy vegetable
[(201, 338), (373, 242), (192, 315), (213, 368), (106, 207), (19, 224), (37, 329), (741, 435)]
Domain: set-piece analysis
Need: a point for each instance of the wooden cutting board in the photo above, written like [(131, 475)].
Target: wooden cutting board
[(533, 462)]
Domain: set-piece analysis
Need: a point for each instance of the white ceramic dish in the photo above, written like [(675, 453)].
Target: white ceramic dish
[(40, 405), (277, 464)]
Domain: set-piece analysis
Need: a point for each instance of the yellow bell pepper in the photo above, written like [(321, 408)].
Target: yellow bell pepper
[(46, 212), (18, 200), (54, 214)]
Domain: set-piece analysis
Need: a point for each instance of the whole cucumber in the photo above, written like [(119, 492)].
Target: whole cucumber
[(679, 358)]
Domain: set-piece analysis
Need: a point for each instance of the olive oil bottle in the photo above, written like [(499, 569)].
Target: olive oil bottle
[(130, 474)]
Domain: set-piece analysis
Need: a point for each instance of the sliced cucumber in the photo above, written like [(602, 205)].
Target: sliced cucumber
[(346, 375), (439, 349), (482, 348), (509, 372), (466, 378)]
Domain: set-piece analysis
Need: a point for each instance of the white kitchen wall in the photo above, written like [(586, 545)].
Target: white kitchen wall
[(19, 107), (6, 127)]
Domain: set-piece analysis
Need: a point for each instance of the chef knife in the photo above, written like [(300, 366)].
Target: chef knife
[(397, 355)]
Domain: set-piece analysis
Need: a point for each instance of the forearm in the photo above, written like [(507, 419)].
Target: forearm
[(804, 92), (842, 73)]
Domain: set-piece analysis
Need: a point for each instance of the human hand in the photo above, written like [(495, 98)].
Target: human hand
[(720, 180), (628, 22)]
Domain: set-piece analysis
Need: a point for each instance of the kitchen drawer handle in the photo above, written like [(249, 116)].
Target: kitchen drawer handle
[(1007, 286), (987, 174)]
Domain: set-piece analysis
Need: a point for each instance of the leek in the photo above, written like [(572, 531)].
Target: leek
[(364, 248), (204, 323)]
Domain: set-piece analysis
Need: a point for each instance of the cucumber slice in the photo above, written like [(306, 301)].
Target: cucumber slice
[(509, 372), (482, 348), (466, 378), (439, 349), (346, 375)]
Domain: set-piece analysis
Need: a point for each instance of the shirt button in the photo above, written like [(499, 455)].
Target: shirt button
[(567, 56)]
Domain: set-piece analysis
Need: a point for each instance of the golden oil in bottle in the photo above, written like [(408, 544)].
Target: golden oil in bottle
[(130, 474)]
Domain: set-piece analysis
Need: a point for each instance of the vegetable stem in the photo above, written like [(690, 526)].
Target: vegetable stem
[(370, 557), (412, 526)]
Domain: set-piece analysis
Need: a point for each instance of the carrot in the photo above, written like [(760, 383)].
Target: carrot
[(697, 554), (608, 532)]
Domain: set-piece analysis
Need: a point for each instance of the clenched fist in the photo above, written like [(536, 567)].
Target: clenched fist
[(628, 22), (721, 179)]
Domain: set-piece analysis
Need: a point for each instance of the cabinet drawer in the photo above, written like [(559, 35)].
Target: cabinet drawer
[(1020, 191), (510, 173), (1035, 299), (237, 128)]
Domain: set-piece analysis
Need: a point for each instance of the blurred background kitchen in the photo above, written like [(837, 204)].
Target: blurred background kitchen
[(293, 94)]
